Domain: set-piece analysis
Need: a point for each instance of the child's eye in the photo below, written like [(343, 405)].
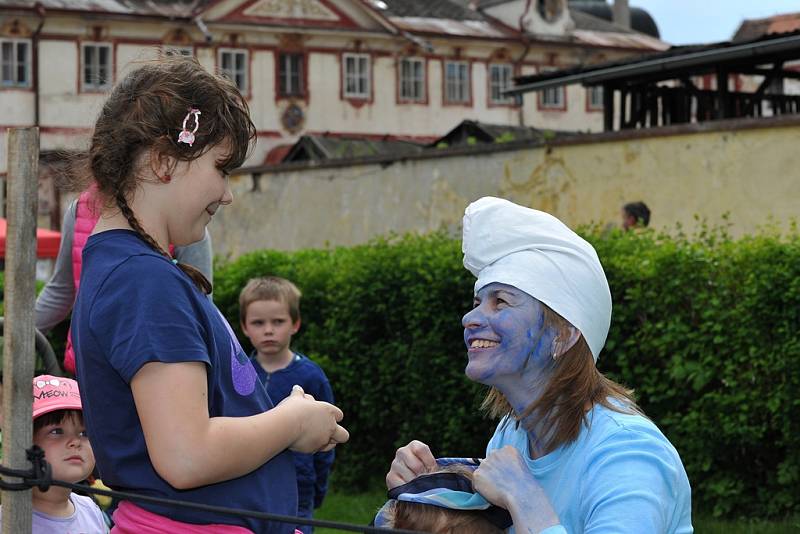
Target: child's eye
[(56, 431), (501, 302), (83, 434)]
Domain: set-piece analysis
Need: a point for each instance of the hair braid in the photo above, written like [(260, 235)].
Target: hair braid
[(144, 113), (197, 277)]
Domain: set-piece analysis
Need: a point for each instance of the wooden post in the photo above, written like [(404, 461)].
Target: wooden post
[(723, 97), (20, 293), (608, 107)]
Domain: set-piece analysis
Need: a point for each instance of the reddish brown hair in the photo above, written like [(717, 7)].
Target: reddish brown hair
[(575, 385), (145, 113)]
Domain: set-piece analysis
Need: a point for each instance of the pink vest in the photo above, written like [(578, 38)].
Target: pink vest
[(86, 215)]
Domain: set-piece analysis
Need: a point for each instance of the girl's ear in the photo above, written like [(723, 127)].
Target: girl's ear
[(160, 164), (565, 340)]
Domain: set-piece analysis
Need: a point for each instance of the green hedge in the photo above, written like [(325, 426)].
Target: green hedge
[(384, 321), (706, 329)]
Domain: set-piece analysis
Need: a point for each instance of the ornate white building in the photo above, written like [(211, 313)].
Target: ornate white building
[(409, 69)]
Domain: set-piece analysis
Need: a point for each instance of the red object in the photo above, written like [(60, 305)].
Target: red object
[(277, 154), (47, 241)]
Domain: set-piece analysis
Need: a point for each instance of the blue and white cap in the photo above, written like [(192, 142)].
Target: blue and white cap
[(445, 489)]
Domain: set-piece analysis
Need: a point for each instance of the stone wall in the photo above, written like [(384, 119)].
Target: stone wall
[(747, 170)]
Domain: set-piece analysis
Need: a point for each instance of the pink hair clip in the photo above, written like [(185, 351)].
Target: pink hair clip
[(186, 136)]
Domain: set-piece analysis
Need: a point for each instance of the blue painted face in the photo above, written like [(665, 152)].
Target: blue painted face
[(506, 336)]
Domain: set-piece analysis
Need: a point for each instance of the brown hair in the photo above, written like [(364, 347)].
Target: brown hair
[(270, 288), (56, 418), (430, 518), (145, 112), (575, 385)]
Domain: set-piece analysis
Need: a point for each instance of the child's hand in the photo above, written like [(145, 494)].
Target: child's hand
[(318, 420)]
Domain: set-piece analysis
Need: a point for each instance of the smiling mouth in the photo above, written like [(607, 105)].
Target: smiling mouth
[(482, 344)]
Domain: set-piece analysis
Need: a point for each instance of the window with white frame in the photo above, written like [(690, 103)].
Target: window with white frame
[(595, 96), (96, 70), (15, 62), (412, 79), (500, 79), (291, 81), (553, 98), (456, 82), (233, 64), (356, 75)]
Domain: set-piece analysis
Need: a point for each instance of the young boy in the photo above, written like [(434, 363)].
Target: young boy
[(269, 310), (58, 429)]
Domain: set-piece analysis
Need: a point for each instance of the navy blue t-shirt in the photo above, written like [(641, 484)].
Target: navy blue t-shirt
[(312, 469), (134, 306)]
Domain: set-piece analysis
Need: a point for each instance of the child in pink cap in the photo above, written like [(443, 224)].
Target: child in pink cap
[(58, 429)]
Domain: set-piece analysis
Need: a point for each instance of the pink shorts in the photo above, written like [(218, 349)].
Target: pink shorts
[(132, 519)]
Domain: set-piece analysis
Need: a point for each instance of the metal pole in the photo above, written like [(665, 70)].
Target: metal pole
[(19, 336)]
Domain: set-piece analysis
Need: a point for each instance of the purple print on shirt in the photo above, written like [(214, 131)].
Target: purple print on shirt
[(243, 373)]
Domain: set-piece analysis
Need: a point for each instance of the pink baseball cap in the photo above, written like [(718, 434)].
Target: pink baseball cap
[(51, 393)]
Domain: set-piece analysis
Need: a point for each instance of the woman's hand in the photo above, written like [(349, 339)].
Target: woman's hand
[(504, 480), (409, 462), (320, 430)]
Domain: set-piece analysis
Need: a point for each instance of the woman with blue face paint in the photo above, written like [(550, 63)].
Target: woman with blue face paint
[(573, 453)]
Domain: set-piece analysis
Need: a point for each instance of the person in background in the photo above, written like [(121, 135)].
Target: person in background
[(59, 431), (635, 215), (269, 310), (54, 303)]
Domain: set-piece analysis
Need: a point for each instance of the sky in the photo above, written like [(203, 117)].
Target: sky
[(702, 21)]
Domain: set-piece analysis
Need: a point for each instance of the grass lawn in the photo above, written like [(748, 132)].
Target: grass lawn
[(360, 509)]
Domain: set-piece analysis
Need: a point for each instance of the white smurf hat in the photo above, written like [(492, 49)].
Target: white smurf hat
[(536, 253)]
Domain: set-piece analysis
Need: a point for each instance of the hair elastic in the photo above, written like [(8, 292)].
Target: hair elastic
[(186, 136)]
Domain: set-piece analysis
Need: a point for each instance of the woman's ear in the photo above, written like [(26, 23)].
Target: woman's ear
[(565, 340)]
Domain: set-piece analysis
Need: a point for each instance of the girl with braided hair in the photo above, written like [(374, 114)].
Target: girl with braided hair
[(172, 404)]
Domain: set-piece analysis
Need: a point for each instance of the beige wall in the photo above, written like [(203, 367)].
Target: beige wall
[(750, 173)]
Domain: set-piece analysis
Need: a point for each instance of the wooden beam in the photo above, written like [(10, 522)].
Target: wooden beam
[(608, 108), (781, 73), (722, 94), (19, 352), (763, 86)]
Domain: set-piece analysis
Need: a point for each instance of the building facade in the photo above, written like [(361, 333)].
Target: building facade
[(405, 69)]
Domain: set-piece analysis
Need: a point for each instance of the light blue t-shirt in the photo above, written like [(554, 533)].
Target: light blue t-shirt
[(620, 476)]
